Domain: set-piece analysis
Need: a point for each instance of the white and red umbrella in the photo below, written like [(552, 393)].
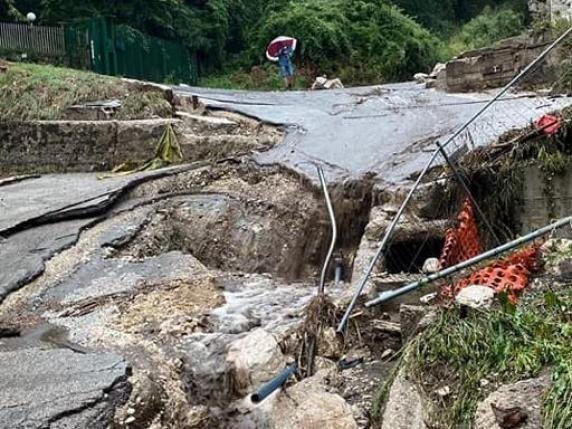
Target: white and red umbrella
[(274, 47)]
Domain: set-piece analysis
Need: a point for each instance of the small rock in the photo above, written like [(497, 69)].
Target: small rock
[(254, 360), (334, 84), (330, 345), (443, 391), (484, 382), (129, 420), (420, 77), (509, 418), (564, 268), (431, 265), (437, 70), (386, 354), (322, 82), (428, 298), (476, 296), (131, 411)]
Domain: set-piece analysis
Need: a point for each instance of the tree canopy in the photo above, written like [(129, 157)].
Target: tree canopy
[(360, 40)]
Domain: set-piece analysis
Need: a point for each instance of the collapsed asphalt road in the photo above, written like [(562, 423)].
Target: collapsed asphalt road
[(180, 286), (388, 130)]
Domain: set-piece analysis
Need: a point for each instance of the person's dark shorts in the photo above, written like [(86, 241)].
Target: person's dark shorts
[(287, 70)]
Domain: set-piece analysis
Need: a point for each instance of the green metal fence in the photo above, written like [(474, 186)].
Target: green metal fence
[(106, 48), (103, 47)]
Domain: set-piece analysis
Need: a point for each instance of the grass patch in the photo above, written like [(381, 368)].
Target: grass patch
[(263, 78), (502, 346), (40, 92)]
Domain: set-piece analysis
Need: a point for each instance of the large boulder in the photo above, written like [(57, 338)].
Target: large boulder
[(524, 397), (309, 406), (415, 319), (404, 406), (254, 360)]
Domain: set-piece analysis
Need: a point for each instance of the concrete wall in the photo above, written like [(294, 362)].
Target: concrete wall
[(537, 204), (561, 9), (72, 146), (550, 9), (495, 67)]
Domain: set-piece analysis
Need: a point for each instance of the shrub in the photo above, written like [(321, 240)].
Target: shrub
[(488, 28)]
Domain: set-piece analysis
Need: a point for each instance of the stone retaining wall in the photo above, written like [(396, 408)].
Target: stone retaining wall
[(495, 67), (544, 201), (76, 146), (550, 9)]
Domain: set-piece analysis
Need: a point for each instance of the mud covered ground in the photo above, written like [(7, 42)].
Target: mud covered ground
[(170, 308), (164, 299)]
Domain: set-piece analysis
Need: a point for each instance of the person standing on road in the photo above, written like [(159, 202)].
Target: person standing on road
[(286, 68)]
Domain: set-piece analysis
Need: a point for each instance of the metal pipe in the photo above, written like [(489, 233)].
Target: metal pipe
[(509, 85), (401, 210), (464, 185), (381, 247), (338, 274), (388, 295), (348, 364), (334, 230), (274, 384)]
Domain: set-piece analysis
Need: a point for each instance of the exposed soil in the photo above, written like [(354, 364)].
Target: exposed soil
[(185, 270)]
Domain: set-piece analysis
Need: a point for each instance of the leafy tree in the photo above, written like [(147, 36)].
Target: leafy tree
[(359, 40), (362, 39), (444, 16), (8, 11), (487, 28)]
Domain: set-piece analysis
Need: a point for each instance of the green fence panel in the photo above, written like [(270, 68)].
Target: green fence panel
[(106, 48)]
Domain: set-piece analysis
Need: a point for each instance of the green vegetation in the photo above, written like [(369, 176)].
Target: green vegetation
[(501, 346), (263, 77), (446, 16), (360, 41), (35, 92), (487, 28)]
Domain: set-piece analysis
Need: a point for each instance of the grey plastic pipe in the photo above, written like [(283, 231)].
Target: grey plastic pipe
[(274, 384)]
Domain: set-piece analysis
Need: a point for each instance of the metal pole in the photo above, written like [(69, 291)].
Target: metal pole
[(428, 166), (381, 247), (462, 182), (334, 230), (509, 85), (388, 295)]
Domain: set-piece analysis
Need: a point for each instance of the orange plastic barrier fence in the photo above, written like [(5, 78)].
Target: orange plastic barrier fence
[(510, 275), (463, 242)]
